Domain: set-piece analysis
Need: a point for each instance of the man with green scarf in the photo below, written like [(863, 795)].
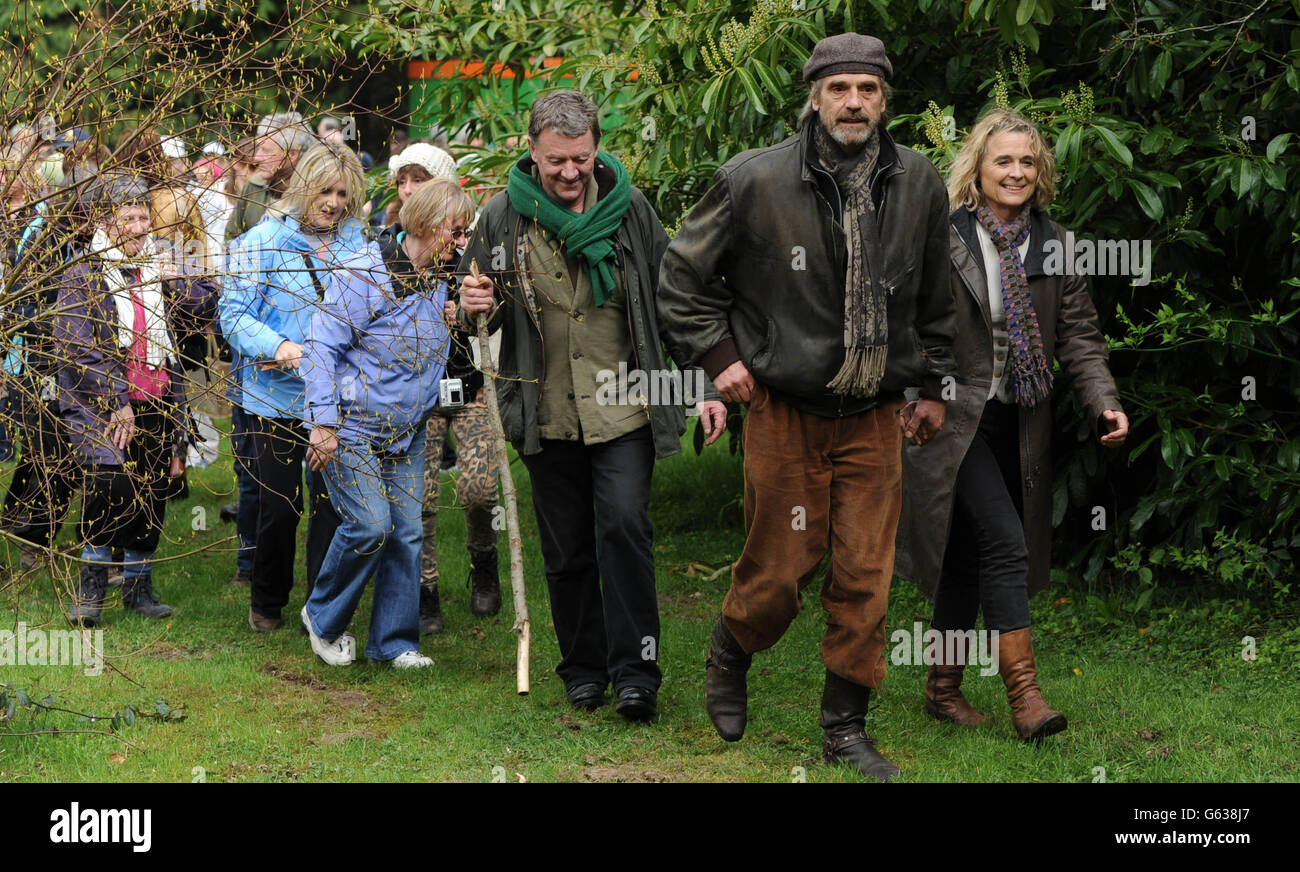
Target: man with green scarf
[(570, 271)]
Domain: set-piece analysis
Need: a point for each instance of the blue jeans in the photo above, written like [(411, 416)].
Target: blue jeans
[(378, 498)]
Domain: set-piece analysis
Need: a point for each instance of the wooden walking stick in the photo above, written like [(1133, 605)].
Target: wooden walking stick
[(508, 489)]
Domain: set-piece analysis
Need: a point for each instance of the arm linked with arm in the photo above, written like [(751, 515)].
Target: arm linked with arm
[(936, 312)]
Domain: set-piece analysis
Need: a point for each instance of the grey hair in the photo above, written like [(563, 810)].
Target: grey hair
[(117, 189), (568, 113), (288, 128), (808, 111)]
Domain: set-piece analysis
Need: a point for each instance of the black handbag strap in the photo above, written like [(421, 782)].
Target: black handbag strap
[(315, 279)]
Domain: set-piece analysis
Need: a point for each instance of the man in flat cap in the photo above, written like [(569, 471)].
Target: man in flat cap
[(811, 283)]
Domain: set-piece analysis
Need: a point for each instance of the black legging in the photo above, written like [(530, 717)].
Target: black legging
[(279, 445), (986, 563), (44, 479), (124, 506)]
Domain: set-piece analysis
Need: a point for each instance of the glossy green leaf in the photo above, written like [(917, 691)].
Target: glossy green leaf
[(1114, 146)]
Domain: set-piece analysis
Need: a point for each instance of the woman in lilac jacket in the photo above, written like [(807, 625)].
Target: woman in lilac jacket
[(121, 395), (377, 350)]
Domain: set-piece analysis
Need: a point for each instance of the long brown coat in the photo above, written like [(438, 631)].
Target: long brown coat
[(1068, 321)]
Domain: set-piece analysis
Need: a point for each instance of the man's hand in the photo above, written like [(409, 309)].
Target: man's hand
[(476, 294), (921, 420), (288, 355), (320, 449), (121, 427), (735, 383), (713, 418), (1118, 424)]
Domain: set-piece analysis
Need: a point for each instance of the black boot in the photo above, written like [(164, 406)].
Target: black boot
[(430, 610), (138, 596), (726, 695), (844, 721), (485, 596), (90, 595)]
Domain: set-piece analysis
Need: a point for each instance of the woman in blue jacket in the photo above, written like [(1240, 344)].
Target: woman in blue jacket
[(279, 273), (377, 349)]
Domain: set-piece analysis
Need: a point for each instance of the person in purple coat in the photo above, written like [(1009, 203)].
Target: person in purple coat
[(120, 393), (372, 364)]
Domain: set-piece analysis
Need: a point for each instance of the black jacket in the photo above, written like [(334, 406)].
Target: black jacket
[(757, 274)]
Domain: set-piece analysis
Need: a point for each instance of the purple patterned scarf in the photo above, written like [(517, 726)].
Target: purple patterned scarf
[(1031, 374)]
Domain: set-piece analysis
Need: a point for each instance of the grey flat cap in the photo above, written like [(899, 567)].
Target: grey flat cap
[(848, 53)]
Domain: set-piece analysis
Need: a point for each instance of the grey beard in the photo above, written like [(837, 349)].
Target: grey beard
[(837, 133)]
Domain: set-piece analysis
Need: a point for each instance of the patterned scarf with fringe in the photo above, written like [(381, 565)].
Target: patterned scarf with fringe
[(1031, 375)]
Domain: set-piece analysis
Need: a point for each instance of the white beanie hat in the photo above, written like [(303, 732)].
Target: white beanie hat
[(433, 160), (173, 147)]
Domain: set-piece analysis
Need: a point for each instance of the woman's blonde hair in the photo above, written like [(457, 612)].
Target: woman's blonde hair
[(317, 169), (174, 216), (434, 202), (964, 174)]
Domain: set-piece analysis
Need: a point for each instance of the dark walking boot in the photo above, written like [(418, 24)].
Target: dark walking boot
[(430, 610), (1029, 712), (726, 695), (90, 596), (844, 721), (485, 593), (943, 697), (138, 596)]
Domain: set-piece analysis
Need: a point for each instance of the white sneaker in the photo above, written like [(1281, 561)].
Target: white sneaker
[(410, 660), (341, 652)]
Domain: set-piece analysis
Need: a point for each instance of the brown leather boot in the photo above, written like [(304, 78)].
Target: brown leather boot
[(1030, 714), (943, 697)]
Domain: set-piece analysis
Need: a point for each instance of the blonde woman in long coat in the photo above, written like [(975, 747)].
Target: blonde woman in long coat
[(975, 531)]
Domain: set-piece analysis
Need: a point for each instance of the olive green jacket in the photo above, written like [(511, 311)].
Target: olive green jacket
[(249, 209), (497, 246)]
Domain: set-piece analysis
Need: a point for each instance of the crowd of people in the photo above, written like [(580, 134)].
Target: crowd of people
[(130, 273), (897, 374)]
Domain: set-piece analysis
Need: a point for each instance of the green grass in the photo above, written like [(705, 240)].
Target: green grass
[(1164, 698)]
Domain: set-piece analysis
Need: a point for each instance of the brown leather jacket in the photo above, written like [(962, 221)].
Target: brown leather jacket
[(1068, 322), (757, 274)]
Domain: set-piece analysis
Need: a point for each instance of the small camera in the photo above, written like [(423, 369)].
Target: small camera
[(451, 393)]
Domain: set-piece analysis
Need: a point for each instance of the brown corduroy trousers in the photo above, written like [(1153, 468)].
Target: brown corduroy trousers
[(813, 484)]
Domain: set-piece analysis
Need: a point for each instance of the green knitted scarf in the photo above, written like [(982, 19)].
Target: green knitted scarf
[(588, 235)]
